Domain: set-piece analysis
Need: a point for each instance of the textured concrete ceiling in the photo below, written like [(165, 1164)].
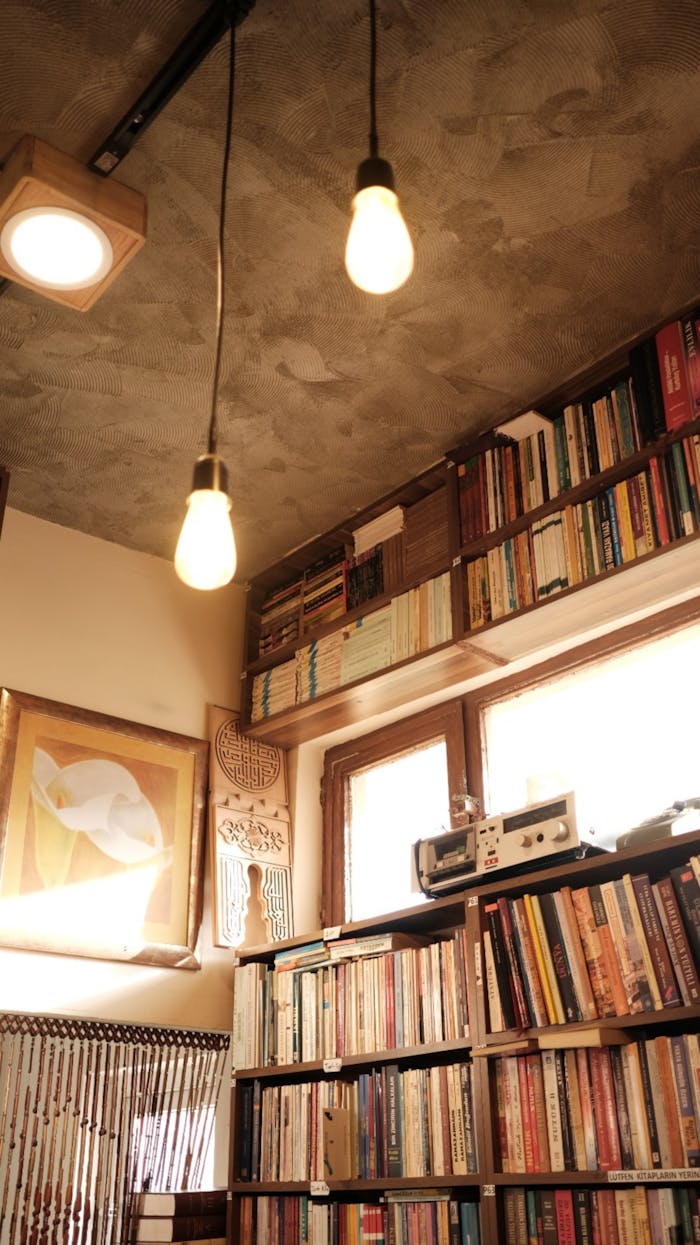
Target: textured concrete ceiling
[(547, 155)]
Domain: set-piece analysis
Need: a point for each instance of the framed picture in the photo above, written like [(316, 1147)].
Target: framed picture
[(101, 834)]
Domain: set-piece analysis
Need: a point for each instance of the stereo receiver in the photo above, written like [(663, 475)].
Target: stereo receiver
[(515, 842)]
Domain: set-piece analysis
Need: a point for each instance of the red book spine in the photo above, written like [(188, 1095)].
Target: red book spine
[(522, 1011), (656, 942), (526, 1106), (390, 1001), (689, 981), (659, 500), (564, 1211), (689, 328), (608, 1216), (608, 1138), (678, 405)]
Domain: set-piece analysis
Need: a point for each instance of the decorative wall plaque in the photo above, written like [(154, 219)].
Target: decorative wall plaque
[(249, 831), (241, 764)]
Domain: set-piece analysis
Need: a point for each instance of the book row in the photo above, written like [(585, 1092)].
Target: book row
[(504, 482), (411, 623), (626, 1107), (658, 505), (352, 1007), (182, 1215), (406, 544), (387, 1122), (616, 948), (147, 1230), (630, 1215), (319, 595), (303, 1221)]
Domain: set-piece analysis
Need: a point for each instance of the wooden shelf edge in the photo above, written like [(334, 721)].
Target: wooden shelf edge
[(264, 1188), (436, 1051), (655, 581), (437, 669)]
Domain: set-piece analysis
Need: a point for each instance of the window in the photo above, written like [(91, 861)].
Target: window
[(382, 793), (621, 732)]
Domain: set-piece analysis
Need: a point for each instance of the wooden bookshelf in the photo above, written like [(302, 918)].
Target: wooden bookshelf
[(487, 1051), (664, 575)]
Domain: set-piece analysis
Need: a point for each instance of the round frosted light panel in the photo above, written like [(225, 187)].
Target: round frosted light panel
[(56, 248), (379, 252), (206, 551)]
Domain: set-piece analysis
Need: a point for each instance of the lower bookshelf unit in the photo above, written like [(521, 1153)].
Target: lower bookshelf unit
[(549, 1094)]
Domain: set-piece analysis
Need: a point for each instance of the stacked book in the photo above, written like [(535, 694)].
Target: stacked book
[(279, 618), (631, 518), (426, 538), (183, 1216), (365, 576), (367, 645), (544, 458), (324, 595), (274, 690), (383, 528), (617, 948), (632, 1213), (411, 1122), (421, 618), (404, 1217), (411, 623), (319, 666), (322, 987), (628, 1107)]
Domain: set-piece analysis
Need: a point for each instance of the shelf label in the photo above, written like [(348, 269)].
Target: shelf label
[(318, 1188), (650, 1175), (331, 932), (332, 1065), (457, 561), (488, 1190), (472, 901)]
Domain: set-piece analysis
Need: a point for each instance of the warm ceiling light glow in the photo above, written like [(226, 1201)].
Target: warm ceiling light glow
[(56, 248), (205, 556), (379, 252), (65, 231)]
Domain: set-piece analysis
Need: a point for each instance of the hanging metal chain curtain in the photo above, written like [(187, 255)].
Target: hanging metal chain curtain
[(92, 1112)]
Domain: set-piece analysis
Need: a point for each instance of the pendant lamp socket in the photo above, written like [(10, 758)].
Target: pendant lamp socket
[(65, 231), (374, 171)]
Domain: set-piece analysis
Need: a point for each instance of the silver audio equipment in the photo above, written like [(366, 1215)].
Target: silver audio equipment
[(511, 842)]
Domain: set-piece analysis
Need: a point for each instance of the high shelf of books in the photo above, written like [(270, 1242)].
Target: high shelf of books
[(517, 1064), (510, 543)]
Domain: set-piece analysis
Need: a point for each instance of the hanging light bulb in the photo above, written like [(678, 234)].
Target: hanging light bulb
[(379, 252), (205, 556), (206, 550)]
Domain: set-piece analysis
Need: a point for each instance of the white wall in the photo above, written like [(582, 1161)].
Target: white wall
[(98, 626)]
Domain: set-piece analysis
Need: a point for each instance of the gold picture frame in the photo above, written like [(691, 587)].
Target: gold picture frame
[(101, 834)]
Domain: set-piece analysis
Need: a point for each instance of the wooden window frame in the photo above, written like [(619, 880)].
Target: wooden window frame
[(461, 722), (441, 721)]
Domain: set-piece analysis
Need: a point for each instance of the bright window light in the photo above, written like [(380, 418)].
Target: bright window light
[(391, 805), (622, 734)]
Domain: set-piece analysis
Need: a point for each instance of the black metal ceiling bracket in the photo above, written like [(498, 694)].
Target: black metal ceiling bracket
[(189, 53)]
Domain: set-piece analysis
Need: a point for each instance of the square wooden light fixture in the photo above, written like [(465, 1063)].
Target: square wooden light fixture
[(65, 231)]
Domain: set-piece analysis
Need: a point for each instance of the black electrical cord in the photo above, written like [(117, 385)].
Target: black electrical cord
[(373, 137), (220, 259)]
